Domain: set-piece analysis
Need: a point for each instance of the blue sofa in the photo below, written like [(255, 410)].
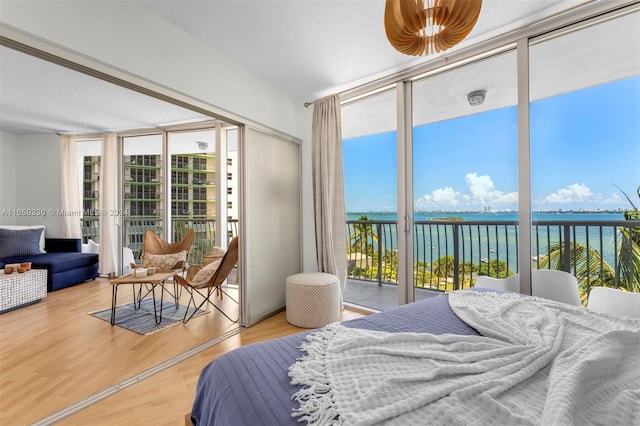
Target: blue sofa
[(66, 265)]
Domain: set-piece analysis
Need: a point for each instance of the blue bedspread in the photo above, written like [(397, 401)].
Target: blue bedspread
[(250, 385)]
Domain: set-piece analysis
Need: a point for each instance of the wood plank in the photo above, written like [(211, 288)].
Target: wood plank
[(54, 354)]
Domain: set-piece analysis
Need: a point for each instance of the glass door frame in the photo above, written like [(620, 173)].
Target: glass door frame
[(520, 40), (406, 230)]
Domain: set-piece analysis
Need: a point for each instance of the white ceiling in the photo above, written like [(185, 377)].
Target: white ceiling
[(309, 48), (314, 47), (37, 96)]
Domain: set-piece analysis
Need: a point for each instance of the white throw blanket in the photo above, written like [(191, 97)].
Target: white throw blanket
[(537, 362)]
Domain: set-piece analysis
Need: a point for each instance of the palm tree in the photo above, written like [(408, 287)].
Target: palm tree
[(362, 234), (629, 243), (587, 261), (629, 255), (587, 266)]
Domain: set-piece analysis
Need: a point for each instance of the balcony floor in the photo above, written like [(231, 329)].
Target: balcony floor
[(379, 297)]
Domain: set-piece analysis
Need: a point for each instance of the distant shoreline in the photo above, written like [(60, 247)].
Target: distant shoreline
[(454, 212)]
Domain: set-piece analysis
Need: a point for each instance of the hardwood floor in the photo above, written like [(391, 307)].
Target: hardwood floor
[(53, 355)]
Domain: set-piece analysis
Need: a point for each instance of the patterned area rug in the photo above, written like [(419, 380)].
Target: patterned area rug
[(142, 320)]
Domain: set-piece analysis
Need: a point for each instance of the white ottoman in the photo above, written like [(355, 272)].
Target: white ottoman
[(313, 299)]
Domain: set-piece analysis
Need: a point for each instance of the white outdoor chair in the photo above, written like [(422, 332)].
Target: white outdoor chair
[(511, 283), (614, 301), (555, 285)]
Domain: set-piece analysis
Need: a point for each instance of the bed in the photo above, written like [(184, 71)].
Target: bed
[(252, 385)]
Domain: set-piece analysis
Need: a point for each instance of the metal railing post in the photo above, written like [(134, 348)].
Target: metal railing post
[(456, 257), (553, 246), (567, 248), (378, 230)]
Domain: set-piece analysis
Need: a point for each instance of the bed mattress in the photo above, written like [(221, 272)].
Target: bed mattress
[(251, 386)]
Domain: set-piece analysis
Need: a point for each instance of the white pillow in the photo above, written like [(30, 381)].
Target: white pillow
[(203, 275), (93, 247), (163, 262), (17, 227)]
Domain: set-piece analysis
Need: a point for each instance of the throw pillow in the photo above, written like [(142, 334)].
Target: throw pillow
[(93, 247), (163, 262), (20, 227), (19, 242), (203, 275)]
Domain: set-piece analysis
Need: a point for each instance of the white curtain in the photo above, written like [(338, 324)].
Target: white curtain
[(108, 202), (328, 188), (70, 194)]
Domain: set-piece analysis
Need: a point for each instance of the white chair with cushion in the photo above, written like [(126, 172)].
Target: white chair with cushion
[(511, 283), (313, 299), (614, 301), (127, 255), (555, 285)]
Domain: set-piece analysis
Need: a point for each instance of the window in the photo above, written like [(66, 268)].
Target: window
[(369, 148), (88, 152), (585, 151), (199, 178), (199, 164)]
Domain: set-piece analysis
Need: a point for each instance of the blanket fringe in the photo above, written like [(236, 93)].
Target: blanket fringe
[(316, 398)]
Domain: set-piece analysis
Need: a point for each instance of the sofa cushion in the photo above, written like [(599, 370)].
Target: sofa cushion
[(19, 242), (71, 277), (19, 227), (57, 262), (63, 245)]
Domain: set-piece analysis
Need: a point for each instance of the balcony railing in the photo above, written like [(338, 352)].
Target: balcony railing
[(449, 254), (134, 229)]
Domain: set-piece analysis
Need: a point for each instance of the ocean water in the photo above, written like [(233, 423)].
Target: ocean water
[(484, 243), (499, 216)]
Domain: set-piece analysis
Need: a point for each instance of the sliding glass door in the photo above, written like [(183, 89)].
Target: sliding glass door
[(370, 174), (585, 152), (89, 174), (465, 175), (193, 189), (521, 158), (144, 189), (460, 181)]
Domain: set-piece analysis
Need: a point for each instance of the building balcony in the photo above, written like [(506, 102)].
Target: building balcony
[(448, 255)]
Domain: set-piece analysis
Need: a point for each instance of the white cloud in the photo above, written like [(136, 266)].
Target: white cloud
[(442, 197), (611, 199), (483, 191), (577, 192)]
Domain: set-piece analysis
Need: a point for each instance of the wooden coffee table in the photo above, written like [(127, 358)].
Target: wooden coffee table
[(153, 280)]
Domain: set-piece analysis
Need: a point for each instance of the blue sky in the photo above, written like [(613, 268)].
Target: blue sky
[(582, 144)]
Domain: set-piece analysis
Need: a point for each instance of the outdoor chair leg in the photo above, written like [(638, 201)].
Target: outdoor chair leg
[(195, 307), (206, 299), (114, 297)]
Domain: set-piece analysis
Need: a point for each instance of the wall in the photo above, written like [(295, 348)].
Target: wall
[(309, 258), (168, 56), (7, 177), (38, 180), (272, 220), (126, 36)]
